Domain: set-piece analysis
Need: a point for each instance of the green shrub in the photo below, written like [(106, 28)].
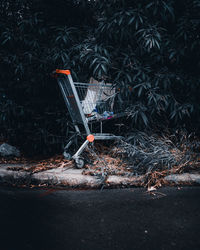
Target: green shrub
[(150, 48)]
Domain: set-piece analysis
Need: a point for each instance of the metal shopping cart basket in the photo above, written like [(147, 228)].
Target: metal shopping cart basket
[(88, 103)]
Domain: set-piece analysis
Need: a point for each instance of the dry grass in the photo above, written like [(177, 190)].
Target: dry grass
[(127, 159)]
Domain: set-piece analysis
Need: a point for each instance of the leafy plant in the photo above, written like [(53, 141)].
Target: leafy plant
[(148, 50)]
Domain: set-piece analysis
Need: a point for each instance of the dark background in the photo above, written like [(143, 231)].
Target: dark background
[(152, 47)]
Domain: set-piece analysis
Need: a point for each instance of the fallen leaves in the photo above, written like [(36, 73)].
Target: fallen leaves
[(104, 161), (42, 165)]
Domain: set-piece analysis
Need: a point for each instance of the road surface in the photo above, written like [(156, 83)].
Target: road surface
[(108, 219)]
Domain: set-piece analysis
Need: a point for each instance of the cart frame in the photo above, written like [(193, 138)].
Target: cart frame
[(73, 103)]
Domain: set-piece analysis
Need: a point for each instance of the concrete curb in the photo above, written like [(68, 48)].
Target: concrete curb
[(136, 181), (185, 178), (75, 178), (56, 177), (63, 177)]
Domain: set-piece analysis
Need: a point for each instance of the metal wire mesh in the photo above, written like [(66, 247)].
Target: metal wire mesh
[(99, 101)]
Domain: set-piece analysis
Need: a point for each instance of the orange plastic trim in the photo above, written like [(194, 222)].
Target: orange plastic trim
[(90, 138), (63, 71)]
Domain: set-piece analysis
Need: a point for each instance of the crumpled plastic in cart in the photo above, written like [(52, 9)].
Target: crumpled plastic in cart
[(96, 116), (96, 94), (107, 114), (89, 103)]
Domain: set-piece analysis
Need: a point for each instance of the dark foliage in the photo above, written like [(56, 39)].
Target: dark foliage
[(149, 49)]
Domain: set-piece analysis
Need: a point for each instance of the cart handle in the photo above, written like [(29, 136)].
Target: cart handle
[(63, 71)]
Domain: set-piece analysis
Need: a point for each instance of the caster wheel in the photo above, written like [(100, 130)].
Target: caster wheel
[(79, 163), (67, 155)]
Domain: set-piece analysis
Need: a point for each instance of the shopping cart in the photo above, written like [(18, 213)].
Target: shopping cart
[(88, 103)]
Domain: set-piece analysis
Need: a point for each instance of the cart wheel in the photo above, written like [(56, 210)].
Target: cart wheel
[(79, 162), (67, 155)]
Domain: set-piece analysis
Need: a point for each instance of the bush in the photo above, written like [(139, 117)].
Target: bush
[(149, 49)]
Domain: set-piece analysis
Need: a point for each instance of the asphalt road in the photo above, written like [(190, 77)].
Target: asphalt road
[(108, 219)]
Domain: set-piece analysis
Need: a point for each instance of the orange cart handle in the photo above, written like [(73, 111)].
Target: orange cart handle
[(63, 71)]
